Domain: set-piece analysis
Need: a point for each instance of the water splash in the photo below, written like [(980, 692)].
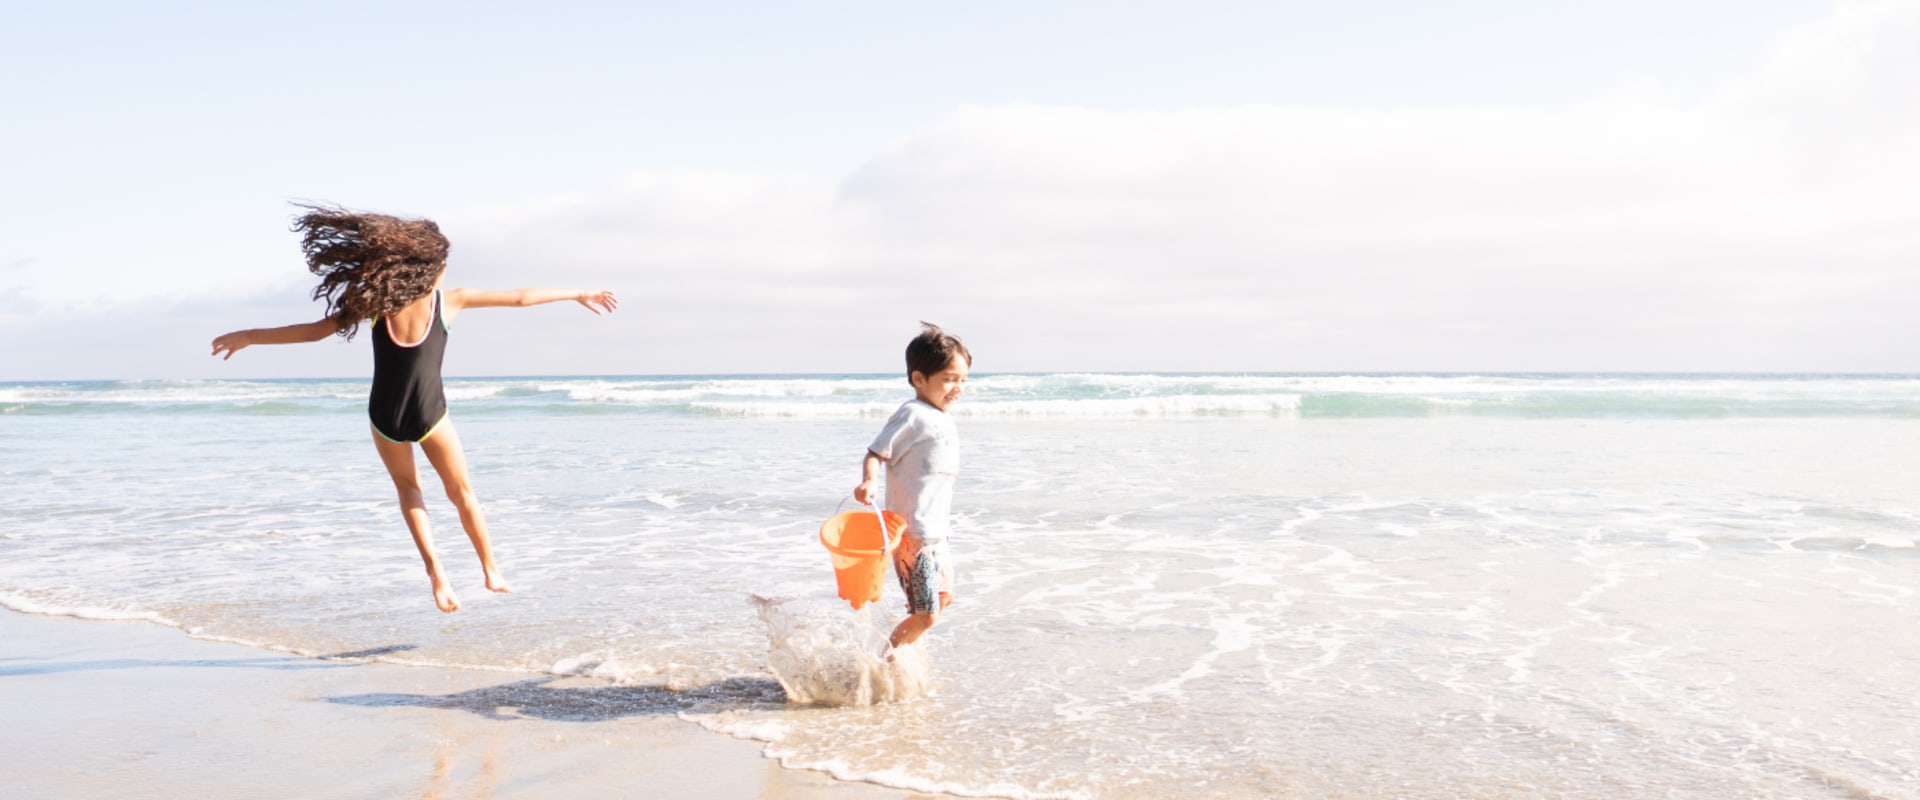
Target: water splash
[(825, 656)]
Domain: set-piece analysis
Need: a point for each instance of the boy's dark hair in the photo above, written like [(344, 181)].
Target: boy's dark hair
[(933, 350), (369, 265)]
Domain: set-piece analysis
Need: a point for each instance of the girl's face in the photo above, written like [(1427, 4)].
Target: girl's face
[(942, 388)]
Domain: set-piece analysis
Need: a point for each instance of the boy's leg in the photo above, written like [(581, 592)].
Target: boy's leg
[(924, 579), (444, 452), (910, 629), (398, 458)]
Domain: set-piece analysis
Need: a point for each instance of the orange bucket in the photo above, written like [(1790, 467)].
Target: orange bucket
[(859, 556)]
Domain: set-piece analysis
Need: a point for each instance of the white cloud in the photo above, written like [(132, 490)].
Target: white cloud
[(1767, 229), (1613, 235)]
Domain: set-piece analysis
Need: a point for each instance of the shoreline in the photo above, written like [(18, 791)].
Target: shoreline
[(135, 709)]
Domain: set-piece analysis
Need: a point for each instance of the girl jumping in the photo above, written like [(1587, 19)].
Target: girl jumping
[(388, 270)]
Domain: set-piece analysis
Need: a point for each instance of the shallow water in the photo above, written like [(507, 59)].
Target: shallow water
[(1215, 586)]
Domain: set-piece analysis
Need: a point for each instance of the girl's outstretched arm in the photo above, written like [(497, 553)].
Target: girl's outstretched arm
[(598, 301), (230, 343)]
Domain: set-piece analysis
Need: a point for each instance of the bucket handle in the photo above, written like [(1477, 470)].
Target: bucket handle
[(886, 542)]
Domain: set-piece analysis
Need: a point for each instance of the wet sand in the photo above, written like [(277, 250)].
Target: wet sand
[(98, 709)]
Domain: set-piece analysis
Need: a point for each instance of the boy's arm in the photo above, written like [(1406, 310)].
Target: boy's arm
[(230, 343), (869, 470), (598, 301)]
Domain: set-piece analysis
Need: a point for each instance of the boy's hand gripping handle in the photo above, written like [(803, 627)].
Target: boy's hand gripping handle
[(886, 541)]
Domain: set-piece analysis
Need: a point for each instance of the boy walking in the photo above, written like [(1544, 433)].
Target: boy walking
[(921, 449)]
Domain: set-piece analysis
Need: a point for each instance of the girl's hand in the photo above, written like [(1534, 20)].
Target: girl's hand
[(863, 494), (231, 343), (600, 302)]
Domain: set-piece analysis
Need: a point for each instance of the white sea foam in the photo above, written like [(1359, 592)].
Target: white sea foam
[(775, 733), (460, 392), (765, 409), (607, 666), (1232, 634), (1278, 405), (665, 500), (1090, 408), (104, 613)]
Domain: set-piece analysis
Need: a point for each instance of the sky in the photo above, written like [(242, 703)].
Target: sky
[(1372, 186)]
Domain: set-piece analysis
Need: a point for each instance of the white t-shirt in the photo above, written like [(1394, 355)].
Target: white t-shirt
[(922, 449)]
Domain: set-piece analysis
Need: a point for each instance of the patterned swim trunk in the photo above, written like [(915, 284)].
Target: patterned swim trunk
[(925, 572)]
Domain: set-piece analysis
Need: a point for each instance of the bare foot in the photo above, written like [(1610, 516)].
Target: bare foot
[(495, 583), (443, 597)]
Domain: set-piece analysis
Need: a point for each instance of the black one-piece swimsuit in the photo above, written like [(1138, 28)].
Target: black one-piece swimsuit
[(408, 399)]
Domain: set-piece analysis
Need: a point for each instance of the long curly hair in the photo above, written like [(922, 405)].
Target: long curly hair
[(369, 265)]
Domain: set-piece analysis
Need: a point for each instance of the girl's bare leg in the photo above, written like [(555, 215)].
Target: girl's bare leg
[(444, 452), (398, 457)]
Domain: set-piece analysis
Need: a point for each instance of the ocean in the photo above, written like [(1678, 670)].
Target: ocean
[(1169, 585)]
